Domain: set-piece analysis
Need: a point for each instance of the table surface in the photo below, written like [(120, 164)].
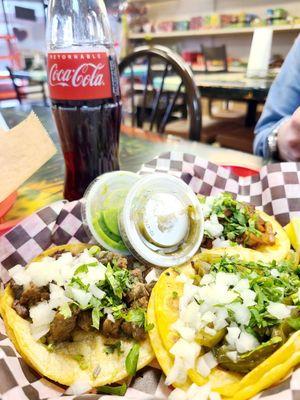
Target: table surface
[(136, 148)]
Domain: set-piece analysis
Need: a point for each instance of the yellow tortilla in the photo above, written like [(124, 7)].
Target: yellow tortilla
[(164, 358), (228, 384), (97, 368), (278, 251)]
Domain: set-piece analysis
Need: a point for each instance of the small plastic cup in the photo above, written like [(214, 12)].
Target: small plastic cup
[(161, 221), (102, 203)]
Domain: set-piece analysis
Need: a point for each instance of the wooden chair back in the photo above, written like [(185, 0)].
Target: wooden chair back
[(21, 89), (157, 105)]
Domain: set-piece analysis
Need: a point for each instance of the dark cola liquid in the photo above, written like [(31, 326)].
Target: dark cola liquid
[(89, 136)]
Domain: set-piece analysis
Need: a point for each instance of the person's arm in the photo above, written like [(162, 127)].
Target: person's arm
[(282, 101)]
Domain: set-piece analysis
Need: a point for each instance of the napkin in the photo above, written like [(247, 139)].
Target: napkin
[(23, 150)]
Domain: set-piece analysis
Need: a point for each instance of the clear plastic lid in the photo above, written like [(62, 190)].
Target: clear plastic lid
[(102, 204), (161, 222)]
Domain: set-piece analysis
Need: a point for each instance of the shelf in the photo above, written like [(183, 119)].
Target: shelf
[(207, 32)]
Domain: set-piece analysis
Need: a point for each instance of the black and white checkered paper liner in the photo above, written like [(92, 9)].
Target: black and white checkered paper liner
[(275, 189)]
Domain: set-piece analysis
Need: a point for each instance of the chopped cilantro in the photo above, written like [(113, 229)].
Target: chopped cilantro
[(113, 390), (294, 323), (76, 281), (50, 347), (82, 269), (174, 295), (94, 250), (238, 219), (81, 361), (96, 315), (137, 316), (132, 359), (267, 287), (65, 310), (149, 327), (112, 347), (118, 279), (199, 302)]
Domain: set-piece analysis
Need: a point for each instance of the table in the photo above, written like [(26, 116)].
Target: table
[(136, 148), (228, 86)]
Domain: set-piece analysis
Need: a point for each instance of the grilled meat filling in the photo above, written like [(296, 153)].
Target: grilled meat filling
[(62, 326)]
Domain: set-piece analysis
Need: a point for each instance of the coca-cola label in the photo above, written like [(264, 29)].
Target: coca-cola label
[(79, 76)]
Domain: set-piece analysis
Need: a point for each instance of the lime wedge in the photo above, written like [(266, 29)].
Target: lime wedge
[(112, 240), (110, 218)]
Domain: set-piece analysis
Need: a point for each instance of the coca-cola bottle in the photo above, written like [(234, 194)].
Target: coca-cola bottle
[(84, 90)]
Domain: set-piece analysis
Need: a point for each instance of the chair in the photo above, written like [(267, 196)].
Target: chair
[(151, 103), (30, 87)]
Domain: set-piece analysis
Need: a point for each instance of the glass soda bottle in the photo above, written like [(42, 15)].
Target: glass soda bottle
[(84, 89)]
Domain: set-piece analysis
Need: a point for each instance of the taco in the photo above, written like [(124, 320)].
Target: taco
[(232, 323), (230, 223), (78, 314)]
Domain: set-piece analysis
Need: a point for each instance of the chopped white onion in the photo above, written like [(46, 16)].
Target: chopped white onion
[(210, 360), (152, 276), (183, 279), (185, 332), (80, 296), (202, 367), (233, 334), (41, 314), (278, 310), (241, 313), (207, 279), (208, 317), (186, 350), (274, 272), (85, 258), (246, 342), (94, 275), (195, 392), (39, 331), (212, 226), (111, 318), (206, 363), (190, 315), (198, 392), (221, 315), (177, 373), (228, 279), (232, 355), (19, 275), (178, 394), (210, 331), (57, 296), (242, 285), (79, 387), (248, 296), (97, 292), (220, 242)]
